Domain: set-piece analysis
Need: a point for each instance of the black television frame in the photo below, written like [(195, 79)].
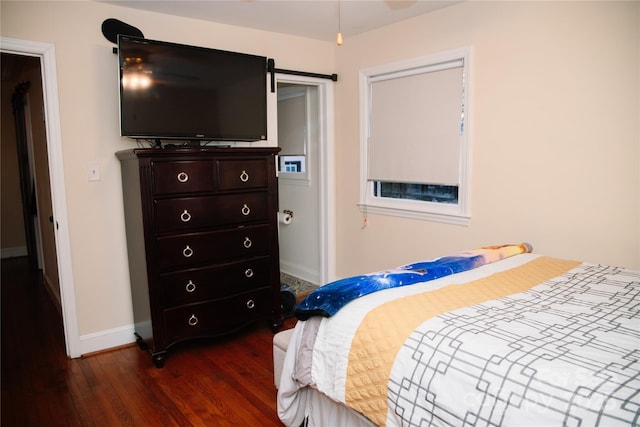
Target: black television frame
[(240, 112)]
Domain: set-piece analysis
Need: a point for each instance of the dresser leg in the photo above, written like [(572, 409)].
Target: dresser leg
[(143, 345), (159, 358)]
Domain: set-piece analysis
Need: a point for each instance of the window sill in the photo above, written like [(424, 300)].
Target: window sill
[(443, 217)]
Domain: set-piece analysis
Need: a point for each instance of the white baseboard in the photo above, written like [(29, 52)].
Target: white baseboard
[(300, 272), (104, 340), (13, 252)]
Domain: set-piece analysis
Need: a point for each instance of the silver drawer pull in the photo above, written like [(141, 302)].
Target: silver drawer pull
[(244, 176), (190, 287), (187, 252), (248, 273), (245, 210), (251, 304), (247, 242), (183, 177), (193, 320), (185, 216)]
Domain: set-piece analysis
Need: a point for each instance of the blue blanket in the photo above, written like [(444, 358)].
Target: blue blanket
[(327, 300)]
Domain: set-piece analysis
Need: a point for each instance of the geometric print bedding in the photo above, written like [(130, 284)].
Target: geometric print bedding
[(565, 352)]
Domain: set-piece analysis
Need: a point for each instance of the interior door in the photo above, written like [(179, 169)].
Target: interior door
[(27, 183)]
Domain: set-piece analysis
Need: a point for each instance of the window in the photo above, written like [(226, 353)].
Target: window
[(414, 145), (293, 164)]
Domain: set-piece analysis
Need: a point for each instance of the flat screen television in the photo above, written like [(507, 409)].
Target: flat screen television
[(180, 92)]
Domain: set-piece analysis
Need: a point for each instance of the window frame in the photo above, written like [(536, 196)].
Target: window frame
[(459, 213)]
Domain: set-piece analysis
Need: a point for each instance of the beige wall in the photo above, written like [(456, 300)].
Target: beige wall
[(87, 85), (12, 236), (554, 131)]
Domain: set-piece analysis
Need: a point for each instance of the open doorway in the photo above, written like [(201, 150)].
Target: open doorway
[(305, 184), (26, 145), (54, 188), (24, 142)]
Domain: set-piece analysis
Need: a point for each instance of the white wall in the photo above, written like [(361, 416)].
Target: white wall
[(554, 133), (87, 84)]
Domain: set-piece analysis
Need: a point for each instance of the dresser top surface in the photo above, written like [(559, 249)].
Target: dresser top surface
[(196, 152)]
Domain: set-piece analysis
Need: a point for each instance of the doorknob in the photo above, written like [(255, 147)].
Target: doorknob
[(51, 221)]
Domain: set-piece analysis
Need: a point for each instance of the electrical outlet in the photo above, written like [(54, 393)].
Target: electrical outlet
[(93, 172)]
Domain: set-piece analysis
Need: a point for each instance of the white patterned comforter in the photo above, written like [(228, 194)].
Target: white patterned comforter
[(564, 352)]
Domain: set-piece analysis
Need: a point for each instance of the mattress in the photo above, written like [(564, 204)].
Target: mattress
[(525, 340)]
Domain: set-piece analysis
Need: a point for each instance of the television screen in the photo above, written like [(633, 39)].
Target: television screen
[(173, 91)]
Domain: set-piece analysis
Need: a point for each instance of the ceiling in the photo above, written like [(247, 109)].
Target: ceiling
[(316, 19)]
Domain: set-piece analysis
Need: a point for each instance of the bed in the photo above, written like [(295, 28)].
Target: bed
[(497, 336)]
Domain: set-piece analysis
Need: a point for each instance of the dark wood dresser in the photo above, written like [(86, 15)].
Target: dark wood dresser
[(202, 240)]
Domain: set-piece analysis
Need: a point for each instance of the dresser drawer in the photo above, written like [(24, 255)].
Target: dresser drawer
[(198, 212), (217, 316), (186, 250), (202, 284), (183, 176), (238, 174)]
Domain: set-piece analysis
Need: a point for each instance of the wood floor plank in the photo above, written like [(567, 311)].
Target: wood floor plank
[(131, 383), (219, 382), (256, 384), (80, 393)]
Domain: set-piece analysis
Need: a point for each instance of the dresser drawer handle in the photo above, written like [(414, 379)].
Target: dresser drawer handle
[(248, 273), (193, 320), (190, 287), (185, 216), (187, 252), (244, 176), (245, 210), (247, 242), (183, 177), (251, 304)]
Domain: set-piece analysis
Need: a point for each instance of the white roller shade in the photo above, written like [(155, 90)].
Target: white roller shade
[(415, 125)]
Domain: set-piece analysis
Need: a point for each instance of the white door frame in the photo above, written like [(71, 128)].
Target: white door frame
[(46, 53), (326, 168)]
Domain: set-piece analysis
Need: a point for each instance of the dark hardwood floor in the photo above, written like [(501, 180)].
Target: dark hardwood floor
[(225, 382)]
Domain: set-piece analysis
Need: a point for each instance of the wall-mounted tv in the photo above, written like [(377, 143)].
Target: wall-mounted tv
[(180, 92)]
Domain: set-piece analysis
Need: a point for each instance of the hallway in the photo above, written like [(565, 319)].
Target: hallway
[(34, 363)]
